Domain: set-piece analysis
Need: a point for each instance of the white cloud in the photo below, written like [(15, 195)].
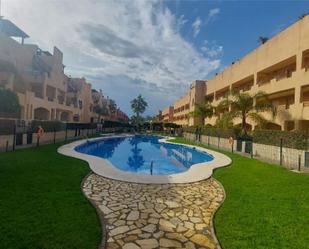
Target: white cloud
[(196, 26), (212, 14), (112, 39), (211, 49)]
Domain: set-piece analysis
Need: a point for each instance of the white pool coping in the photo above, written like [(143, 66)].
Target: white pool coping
[(103, 167)]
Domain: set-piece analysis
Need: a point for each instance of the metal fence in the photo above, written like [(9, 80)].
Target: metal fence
[(16, 134), (282, 154)]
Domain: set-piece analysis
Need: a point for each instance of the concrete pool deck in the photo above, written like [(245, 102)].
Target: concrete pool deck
[(103, 167)]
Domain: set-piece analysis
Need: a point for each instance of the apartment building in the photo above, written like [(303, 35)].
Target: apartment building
[(167, 114), (179, 112), (279, 68), (45, 92)]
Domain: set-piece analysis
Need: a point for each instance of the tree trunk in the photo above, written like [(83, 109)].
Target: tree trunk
[(244, 123)]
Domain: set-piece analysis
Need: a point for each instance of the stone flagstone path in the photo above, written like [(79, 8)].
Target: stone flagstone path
[(156, 216)]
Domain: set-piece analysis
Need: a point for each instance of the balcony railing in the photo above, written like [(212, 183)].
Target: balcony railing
[(306, 103)]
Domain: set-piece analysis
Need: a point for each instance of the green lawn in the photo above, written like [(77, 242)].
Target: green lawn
[(41, 203), (266, 206)]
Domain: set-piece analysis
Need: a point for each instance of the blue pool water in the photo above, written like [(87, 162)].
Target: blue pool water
[(144, 154)]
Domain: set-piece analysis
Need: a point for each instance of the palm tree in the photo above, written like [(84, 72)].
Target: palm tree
[(246, 106), (225, 121), (262, 39), (138, 106), (203, 111)]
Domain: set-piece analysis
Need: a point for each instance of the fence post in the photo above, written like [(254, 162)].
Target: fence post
[(299, 162), (218, 142), (54, 135), (251, 149), (66, 132), (14, 137), (281, 141), (7, 146), (208, 140), (37, 141)]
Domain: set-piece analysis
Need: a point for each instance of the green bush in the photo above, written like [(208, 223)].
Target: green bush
[(290, 139), (214, 132), (6, 126), (48, 126), (9, 103)]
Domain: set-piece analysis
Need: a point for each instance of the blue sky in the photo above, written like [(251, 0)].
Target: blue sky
[(237, 24), (152, 47)]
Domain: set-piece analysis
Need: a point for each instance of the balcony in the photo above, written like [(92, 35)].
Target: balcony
[(277, 77), (279, 84), (305, 111)]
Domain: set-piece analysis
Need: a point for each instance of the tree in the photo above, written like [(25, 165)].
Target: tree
[(225, 121), (112, 106), (136, 120), (101, 111), (246, 106), (9, 103), (262, 39), (18, 82), (138, 106), (203, 111)]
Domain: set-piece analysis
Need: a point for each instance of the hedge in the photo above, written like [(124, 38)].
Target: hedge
[(48, 126), (290, 139), (6, 126), (214, 132)]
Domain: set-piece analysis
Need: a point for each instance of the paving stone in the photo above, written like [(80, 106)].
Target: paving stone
[(119, 230), (142, 216), (172, 204), (130, 246), (202, 240), (176, 236), (151, 228), (148, 243), (169, 243), (133, 215)]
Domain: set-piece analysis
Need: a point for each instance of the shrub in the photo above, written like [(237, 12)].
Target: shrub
[(290, 139), (215, 132), (48, 126), (6, 126), (9, 103)]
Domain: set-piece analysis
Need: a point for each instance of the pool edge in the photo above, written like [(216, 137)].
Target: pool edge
[(106, 169)]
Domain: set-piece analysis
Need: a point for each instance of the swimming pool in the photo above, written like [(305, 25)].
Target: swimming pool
[(187, 163), (143, 154)]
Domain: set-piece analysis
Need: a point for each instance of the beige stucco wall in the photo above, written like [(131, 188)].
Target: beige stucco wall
[(50, 86), (275, 59), (185, 105)]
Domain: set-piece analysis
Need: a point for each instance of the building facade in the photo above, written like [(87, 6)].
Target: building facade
[(44, 91), (279, 68), (179, 112)]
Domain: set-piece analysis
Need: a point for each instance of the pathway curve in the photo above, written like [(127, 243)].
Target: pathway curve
[(156, 216)]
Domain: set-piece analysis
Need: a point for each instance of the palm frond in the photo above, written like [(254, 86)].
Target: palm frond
[(257, 118)]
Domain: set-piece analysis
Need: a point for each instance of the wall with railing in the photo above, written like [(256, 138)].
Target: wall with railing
[(291, 158)]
